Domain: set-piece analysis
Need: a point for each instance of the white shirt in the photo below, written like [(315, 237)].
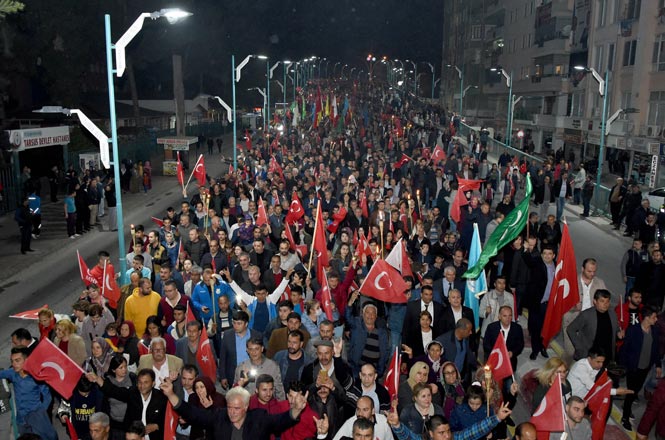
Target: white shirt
[(185, 431), (582, 378), (427, 338), (457, 314), (160, 372), (586, 294), (430, 308), (505, 331), (381, 429), (145, 403)]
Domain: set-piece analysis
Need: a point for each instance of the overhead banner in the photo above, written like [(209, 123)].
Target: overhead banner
[(30, 138)]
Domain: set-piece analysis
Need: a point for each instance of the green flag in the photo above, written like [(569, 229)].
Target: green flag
[(510, 227)]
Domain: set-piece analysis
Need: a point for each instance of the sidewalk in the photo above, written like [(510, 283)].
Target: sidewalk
[(13, 265)]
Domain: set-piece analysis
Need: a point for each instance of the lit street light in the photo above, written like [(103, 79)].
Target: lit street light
[(235, 77), (173, 15), (602, 90), (511, 104)]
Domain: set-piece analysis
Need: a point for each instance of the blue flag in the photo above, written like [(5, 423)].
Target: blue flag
[(474, 286)]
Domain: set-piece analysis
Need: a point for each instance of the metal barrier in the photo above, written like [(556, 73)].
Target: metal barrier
[(8, 200)]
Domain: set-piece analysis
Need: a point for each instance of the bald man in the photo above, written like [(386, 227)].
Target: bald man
[(526, 431)]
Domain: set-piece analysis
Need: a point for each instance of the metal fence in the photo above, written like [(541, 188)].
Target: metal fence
[(7, 192), (599, 202)]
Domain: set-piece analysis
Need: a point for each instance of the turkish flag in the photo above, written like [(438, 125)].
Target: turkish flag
[(71, 430), (363, 204), (392, 375), (320, 244), (427, 153), (549, 416), (337, 219), (86, 276), (362, 248), (564, 295), (143, 349), (205, 356), (402, 161), (158, 222), (326, 298), (200, 171), (179, 170), (190, 313), (499, 361), (49, 364), (110, 289), (384, 283), (296, 211), (399, 259), (275, 167), (29, 314), (598, 401), (170, 422), (438, 154), (463, 185), (261, 215), (248, 140)]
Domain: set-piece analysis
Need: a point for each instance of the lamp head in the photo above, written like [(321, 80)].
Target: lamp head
[(261, 57), (53, 109), (580, 68), (173, 15)]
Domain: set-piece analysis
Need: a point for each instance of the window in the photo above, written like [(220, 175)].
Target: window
[(629, 49), (599, 58), (476, 32), (602, 12), (626, 100), (558, 70), (658, 58), (610, 57), (577, 104), (632, 11), (656, 108), (529, 39)]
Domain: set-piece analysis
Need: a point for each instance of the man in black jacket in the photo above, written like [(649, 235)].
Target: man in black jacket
[(143, 393), (235, 421), (540, 283)]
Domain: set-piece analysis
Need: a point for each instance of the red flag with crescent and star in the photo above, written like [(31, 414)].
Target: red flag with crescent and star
[(200, 171), (261, 215), (399, 259), (86, 276), (598, 401), (179, 171), (205, 357), (110, 289), (549, 416), (248, 140), (385, 283), (363, 204), (158, 222), (296, 211), (338, 218), (564, 294), (320, 244), (499, 361), (49, 364), (170, 422), (392, 376), (326, 298), (464, 185), (438, 154), (29, 314), (275, 167)]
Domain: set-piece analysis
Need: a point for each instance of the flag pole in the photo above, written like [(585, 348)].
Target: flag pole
[(182, 184), (311, 251), (192, 175), (104, 279)]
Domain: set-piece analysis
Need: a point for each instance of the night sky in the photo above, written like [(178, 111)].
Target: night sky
[(57, 48)]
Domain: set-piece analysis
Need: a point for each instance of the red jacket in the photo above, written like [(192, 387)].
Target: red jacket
[(305, 428), (340, 294)]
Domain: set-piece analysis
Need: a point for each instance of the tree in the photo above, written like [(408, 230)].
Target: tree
[(10, 7)]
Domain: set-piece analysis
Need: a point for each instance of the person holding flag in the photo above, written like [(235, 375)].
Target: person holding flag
[(512, 340), (32, 399)]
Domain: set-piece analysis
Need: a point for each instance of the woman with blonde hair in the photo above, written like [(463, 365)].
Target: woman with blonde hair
[(46, 323), (419, 373), (69, 342), (546, 375)]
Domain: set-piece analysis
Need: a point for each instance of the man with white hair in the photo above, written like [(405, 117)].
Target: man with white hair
[(369, 343), (159, 362), (236, 421), (100, 426)]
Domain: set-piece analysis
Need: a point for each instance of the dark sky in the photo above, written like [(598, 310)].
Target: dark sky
[(59, 46)]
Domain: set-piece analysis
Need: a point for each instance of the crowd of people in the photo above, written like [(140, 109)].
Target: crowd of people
[(300, 357)]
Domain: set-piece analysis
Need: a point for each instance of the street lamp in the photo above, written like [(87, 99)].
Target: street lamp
[(335, 67), (265, 97), (341, 73), (222, 103), (415, 76), (602, 90), (431, 67), (460, 74), (511, 104), (351, 73), (173, 15), (287, 65), (235, 77)]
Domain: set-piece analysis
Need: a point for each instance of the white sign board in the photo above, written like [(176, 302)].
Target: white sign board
[(38, 137), (653, 172)]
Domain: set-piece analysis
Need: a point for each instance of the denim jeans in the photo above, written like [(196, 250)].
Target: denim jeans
[(560, 203)]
